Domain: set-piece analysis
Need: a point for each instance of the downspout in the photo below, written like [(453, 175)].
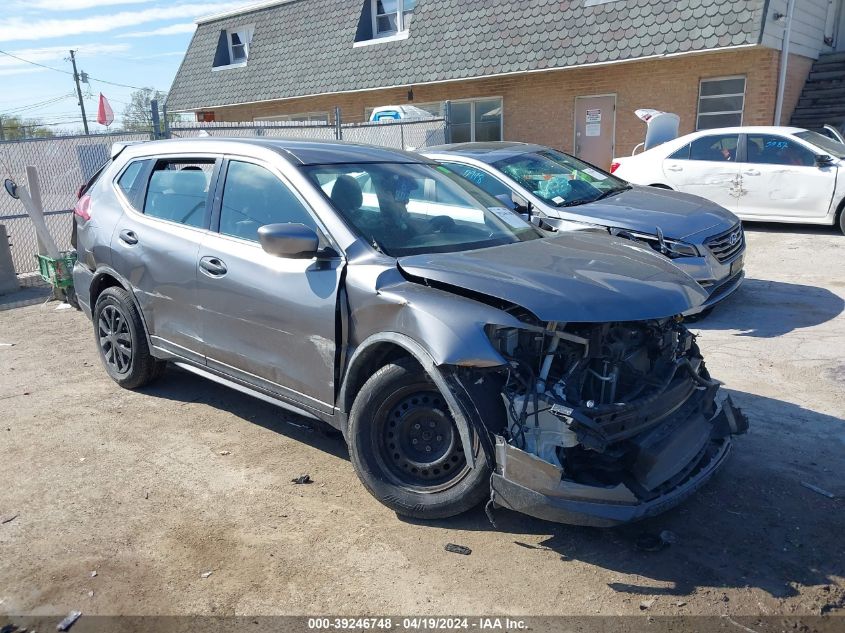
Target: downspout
[(784, 62)]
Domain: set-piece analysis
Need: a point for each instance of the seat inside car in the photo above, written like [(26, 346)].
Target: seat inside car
[(178, 196), (347, 195)]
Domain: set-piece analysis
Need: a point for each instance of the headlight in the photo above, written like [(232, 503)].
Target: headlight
[(671, 248)]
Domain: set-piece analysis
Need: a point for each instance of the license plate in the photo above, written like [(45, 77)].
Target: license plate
[(736, 266)]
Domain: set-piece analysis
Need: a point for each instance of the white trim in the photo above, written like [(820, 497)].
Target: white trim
[(401, 35), (463, 79), (237, 65), (239, 10)]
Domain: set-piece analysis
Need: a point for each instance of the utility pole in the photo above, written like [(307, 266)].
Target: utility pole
[(79, 92)]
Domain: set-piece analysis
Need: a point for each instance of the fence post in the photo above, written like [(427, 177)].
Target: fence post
[(154, 113), (46, 245), (402, 134), (338, 124), (447, 123), (165, 123)]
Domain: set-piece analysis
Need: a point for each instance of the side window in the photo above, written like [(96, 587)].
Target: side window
[(481, 179), (681, 154), (718, 148), (252, 197), (767, 149), (178, 191), (129, 182)]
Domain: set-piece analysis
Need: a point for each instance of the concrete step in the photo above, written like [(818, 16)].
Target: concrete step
[(820, 102), (826, 74), (827, 58)]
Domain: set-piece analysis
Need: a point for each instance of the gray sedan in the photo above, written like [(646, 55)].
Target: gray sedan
[(703, 239)]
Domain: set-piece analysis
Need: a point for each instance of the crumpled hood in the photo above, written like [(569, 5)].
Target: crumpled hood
[(643, 209), (576, 277)]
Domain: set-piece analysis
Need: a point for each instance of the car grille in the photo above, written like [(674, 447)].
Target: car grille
[(725, 246)]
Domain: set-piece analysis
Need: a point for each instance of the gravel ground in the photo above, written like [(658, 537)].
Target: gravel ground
[(154, 489)]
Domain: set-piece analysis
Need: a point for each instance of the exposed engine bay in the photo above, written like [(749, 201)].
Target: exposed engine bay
[(619, 413)]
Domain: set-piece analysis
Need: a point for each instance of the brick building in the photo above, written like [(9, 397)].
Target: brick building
[(563, 73)]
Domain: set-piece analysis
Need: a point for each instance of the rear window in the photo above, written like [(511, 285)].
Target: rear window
[(178, 191), (128, 181)]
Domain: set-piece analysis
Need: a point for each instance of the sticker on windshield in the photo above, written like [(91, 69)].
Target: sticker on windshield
[(508, 217), (595, 174)]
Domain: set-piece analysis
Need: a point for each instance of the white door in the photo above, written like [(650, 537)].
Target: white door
[(780, 178), (707, 167)]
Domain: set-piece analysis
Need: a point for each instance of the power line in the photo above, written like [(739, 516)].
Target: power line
[(36, 106), (58, 70), (66, 72)]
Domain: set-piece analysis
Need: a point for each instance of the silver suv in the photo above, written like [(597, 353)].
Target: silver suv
[(464, 353)]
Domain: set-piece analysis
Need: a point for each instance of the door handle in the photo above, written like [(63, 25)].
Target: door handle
[(213, 267), (751, 172), (674, 168), (128, 237)]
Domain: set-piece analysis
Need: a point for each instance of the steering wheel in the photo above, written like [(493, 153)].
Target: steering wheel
[(441, 223)]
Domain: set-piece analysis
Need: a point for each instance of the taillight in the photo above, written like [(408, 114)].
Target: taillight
[(614, 167), (83, 208)]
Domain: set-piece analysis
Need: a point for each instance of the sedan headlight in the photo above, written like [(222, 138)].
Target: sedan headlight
[(663, 245)]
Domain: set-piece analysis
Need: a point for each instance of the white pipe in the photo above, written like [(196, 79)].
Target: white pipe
[(784, 61)]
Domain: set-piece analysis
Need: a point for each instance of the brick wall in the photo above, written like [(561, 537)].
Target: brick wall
[(796, 76), (539, 107)]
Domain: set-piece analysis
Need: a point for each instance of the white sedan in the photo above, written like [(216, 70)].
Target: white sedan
[(767, 174)]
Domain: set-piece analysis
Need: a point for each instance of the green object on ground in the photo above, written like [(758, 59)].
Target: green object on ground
[(58, 272)]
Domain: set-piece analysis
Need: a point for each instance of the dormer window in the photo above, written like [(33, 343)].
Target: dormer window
[(233, 47), (391, 17)]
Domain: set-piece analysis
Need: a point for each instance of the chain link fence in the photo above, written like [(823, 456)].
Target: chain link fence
[(397, 134), (66, 163)]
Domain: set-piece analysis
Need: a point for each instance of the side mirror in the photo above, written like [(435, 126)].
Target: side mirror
[(295, 241), (522, 206), (823, 160)]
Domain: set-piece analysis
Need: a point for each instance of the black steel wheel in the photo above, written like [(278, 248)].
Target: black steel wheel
[(407, 450), (417, 440), (122, 341)]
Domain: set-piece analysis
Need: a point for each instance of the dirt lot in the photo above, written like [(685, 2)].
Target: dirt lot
[(152, 489)]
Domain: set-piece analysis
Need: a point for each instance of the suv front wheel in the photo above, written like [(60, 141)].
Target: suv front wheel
[(122, 342), (406, 448)]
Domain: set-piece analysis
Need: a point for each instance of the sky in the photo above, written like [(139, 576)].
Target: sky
[(136, 43)]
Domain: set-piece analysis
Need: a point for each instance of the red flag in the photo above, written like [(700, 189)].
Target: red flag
[(105, 116)]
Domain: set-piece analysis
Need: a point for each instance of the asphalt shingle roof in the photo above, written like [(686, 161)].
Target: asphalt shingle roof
[(305, 47)]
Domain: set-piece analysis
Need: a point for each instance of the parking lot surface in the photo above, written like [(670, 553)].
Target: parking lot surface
[(156, 488)]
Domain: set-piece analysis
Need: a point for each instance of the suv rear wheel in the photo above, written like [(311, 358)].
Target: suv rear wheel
[(122, 342), (406, 448)]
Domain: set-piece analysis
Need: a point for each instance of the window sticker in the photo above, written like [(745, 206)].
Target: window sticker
[(595, 174), (508, 217)]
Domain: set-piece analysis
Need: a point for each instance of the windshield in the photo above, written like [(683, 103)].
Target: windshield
[(824, 142), (412, 208), (559, 179)]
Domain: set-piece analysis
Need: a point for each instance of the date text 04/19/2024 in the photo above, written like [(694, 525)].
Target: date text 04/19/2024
[(421, 623)]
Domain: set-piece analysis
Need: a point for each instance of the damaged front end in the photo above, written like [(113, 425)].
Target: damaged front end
[(606, 423)]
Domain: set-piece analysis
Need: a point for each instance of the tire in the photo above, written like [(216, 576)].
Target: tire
[(397, 412), (842, 219), (122, 341)]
